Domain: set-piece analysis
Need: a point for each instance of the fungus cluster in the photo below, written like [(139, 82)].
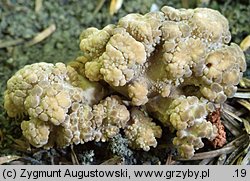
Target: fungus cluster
[(156, 53), (176, 63), (65, 108)]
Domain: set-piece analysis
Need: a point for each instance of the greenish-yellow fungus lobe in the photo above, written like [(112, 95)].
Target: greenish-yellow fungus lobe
[(153, 54)]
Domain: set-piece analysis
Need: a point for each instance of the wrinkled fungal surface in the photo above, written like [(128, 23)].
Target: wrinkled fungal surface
[(58, 102), (187, 116), (65, 108), (176, 64), (142, 131), (159, 52)]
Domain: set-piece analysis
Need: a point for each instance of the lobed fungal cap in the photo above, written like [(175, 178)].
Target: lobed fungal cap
[(153, 54), (142, 131), (51, 96)]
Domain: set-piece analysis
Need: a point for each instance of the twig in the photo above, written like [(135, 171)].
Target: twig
[(6, 159), (230, 123), (32, 161), (238, 141), (206, 161), (221, 160), (115, 5), (11, 43), (237, 112), (230, 147), (244, 103), (1, 136), (234, 130), (244, 82), (232, 115), (246, 159), (170, 161), (243, 90), (209, 154), (247, 125), (42, 35), (99, 6), (116, 160), (74, 157), (245, 44), (38, 5), (235, 154), (243, 95)]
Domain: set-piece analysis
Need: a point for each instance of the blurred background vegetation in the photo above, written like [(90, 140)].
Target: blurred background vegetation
[(48, 31)]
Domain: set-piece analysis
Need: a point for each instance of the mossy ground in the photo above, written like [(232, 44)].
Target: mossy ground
[(20, 22)]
